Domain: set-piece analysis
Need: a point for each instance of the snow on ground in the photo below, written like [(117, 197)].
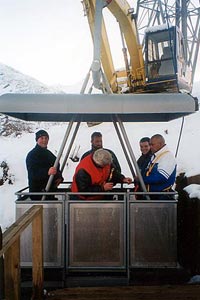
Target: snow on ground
[(14, 150), (193, 190)]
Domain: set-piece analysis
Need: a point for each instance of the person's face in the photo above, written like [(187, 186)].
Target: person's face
[(145, 147), (97, 142), (43, 141), (155, 145)]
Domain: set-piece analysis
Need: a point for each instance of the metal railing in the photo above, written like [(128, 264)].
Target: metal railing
[(124, 215)]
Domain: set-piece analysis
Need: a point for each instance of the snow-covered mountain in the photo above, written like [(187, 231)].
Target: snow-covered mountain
[(12, 81)]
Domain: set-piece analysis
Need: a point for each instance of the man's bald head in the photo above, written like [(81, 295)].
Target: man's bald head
[(157, 142)]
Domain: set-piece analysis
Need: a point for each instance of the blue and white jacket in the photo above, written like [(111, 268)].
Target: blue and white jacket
[(161, 171)]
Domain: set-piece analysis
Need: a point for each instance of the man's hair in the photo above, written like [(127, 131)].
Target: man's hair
[(159, 137), (95, 134), (102, 157), (145, 139)]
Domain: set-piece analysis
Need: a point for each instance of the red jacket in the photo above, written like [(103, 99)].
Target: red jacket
[(98, 176)]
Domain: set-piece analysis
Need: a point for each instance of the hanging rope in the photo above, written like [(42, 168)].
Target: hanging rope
[(179, 139)]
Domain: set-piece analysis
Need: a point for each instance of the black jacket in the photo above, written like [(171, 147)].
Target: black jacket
[(143, 162), (38, 162)]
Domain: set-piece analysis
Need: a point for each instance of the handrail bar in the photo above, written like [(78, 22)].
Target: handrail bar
[(11, 252)]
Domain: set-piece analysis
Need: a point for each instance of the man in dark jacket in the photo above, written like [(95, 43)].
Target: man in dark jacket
[(145, 158), (40, 165), (143, 161), (95, 173), (97, 143)]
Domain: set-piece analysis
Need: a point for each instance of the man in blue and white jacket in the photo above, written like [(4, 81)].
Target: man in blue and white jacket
[(161, 171)]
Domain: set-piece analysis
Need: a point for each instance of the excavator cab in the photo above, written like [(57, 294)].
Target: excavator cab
[(165, 63)]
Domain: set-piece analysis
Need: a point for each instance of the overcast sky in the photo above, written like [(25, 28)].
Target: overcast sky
[(49, 39)]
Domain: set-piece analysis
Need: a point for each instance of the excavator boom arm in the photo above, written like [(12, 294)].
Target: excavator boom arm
[(121, 10)]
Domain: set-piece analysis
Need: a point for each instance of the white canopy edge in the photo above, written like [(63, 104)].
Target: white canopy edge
[(97, 107)]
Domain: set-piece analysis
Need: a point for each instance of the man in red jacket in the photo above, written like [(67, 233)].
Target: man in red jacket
[(95, 174)]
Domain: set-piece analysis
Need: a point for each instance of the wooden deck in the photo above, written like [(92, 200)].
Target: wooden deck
[(166, 292)]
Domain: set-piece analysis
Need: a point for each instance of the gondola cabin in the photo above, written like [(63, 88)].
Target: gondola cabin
[(100, 242)]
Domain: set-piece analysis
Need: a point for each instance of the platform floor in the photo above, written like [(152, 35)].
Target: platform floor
[(166, 292)]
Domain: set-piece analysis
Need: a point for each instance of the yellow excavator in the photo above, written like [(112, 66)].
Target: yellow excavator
[(163, 66)]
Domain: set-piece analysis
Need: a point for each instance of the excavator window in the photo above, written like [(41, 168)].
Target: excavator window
[(165, 60), (160, 49), (166, 67)]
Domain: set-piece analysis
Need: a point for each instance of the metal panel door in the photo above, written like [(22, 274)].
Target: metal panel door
[(53, 225), (153, 234), (97, 235)]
